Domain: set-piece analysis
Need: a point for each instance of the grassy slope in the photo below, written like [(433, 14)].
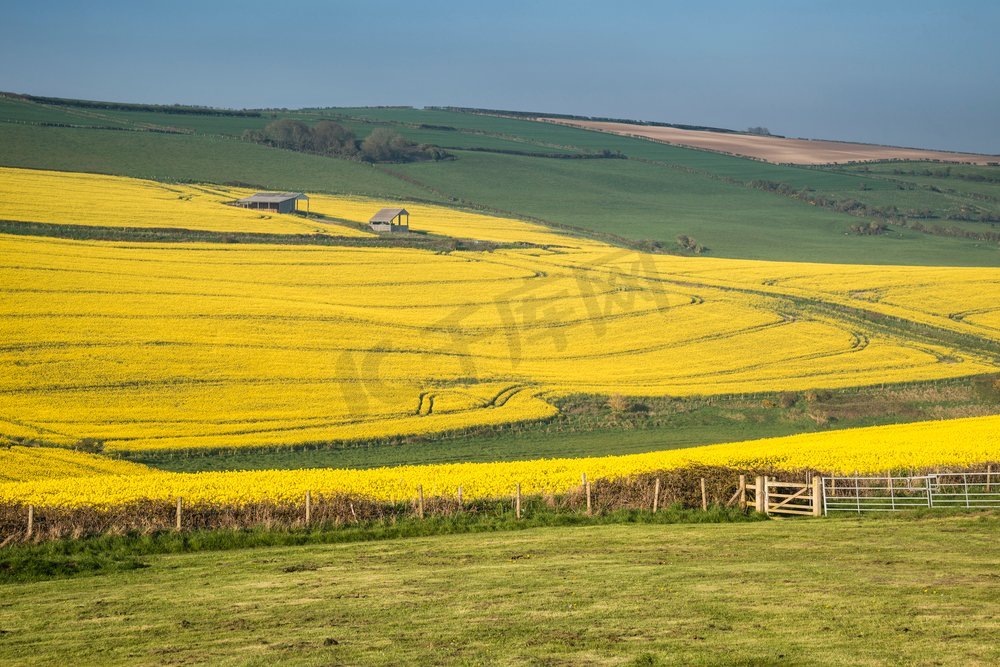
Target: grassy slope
[(836, 591), (645, 201), (941, 187), (190, 158), (841, 183), (23, 111), (235, 125)]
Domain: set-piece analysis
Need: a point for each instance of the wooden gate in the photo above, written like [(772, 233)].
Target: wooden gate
[(774, 497)]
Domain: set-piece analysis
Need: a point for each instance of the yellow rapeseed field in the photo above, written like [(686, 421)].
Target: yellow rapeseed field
[(65, 198), (444, 221), (30, 464), (197, 346), (958, 442)]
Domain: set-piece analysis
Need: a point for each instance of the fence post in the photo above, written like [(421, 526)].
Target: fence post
[(704, 496), (517, 501), (31, 521), (758, 494), (742, 489), (178, 522), (460, 496), (766, 500), (817, 490), (656, 495), (308, 507), (989, 474), (420, 501), (587, 488)]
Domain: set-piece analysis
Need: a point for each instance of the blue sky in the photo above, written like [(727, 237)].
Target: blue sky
[(912, 73)]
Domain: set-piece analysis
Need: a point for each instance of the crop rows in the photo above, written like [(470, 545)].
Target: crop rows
[(27, 464)]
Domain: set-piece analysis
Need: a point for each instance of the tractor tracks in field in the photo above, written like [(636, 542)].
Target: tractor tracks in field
[(858, 318)]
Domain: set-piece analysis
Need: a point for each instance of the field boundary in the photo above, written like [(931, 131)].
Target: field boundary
[(182, 235), (708, 489)]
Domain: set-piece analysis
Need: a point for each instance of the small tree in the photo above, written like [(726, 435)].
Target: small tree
[(288, 133), (384, 145), (333, 139)]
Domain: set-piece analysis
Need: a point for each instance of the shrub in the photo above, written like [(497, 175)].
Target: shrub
[(618, 404), (690, 244), (788, 399), (89, 445)]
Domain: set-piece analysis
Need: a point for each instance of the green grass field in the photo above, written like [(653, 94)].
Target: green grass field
[(191, 158), (832, 592), (943, 189), (646, 201)]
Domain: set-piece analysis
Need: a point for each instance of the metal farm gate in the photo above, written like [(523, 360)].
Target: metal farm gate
[(820, 496), (967, 490)]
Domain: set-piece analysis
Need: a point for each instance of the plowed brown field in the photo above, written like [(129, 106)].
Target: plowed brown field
[(775, 149)]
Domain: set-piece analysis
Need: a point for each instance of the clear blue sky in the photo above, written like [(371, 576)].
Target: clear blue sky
[(907, 72)]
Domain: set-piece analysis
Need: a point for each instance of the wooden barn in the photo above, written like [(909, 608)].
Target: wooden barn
[(391, 220), (279, 202)]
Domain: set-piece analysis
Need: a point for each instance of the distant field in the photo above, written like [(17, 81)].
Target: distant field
[(628, 190), (776, 149), (832, 592), (640, 201)]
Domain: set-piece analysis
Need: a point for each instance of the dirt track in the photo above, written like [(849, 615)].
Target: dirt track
[(775, 149)]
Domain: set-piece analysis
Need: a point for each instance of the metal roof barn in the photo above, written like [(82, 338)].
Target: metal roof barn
[(391, 220), (282, 202)]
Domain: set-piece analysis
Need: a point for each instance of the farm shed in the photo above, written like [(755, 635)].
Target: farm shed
[(281, 202), (391, 220)]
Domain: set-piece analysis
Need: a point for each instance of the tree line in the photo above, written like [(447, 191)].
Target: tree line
[(181, 109), (326, 137)]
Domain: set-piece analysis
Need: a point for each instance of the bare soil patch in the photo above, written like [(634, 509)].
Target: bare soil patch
[(776, 149)]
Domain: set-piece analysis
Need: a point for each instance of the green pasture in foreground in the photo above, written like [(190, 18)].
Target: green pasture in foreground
[(812, 591)]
